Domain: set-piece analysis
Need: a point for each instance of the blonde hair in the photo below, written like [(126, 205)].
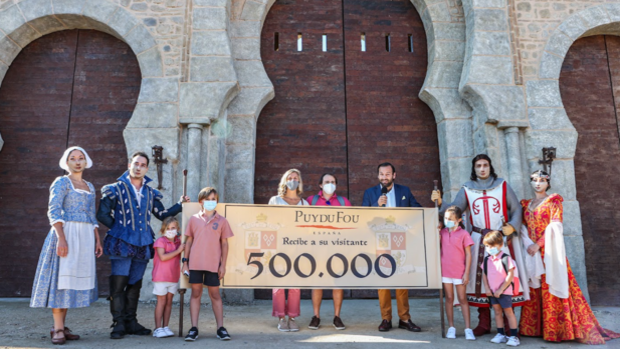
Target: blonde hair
[(205, 192), (494, 238), (167, 222), (282, 188)]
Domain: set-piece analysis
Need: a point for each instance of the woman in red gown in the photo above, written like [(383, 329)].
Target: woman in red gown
[(555, 319)]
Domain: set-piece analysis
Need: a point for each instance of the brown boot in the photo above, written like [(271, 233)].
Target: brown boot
[(484, 322)]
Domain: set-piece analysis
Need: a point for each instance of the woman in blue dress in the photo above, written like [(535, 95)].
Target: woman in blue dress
[(66, 274)]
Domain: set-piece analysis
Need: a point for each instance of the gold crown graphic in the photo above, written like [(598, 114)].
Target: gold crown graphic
[(261, 218), (390, 220)]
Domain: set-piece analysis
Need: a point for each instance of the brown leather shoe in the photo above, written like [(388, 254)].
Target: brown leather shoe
[(385, 326), (70, 336), (409, 326), (59, 341)]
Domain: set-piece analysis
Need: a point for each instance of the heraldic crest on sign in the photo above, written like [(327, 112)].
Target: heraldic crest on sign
[(260, 236), (391, 239)]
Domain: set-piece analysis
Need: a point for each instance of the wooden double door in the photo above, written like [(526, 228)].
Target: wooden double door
[(590, 88), (76, 87), (347, 74)]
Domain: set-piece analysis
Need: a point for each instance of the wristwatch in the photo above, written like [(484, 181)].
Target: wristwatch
[(183, 260)]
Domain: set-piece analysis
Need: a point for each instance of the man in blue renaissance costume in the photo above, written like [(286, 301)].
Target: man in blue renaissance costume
[(126, 208)]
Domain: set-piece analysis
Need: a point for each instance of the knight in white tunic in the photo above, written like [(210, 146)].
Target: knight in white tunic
[(490, 204)]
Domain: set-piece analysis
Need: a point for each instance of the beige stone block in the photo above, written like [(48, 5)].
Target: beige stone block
[(252, 73), (565, 141), (11, 19), (73, 7), (444, 74), (594, 16), (550, 66), (100, 10), (157, 90), (246, 29), (206, 69), (32, 9), (140, 39), (250, 101), (154, 115), (490, 20), (122, 21), (252, 11), (210, 43), (246, 48), (205, 101), (8, 50), (543, 93), (209, 18), (496, 70), (151, 63), (573, 26), (549, 119)]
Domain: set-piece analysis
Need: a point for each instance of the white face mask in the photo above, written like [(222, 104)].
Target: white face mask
[(171, 234), (329, 188), (539, 186)]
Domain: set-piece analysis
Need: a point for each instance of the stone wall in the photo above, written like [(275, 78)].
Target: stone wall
[(492, 83)]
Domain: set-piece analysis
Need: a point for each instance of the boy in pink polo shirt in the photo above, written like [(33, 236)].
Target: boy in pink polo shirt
[(206, 251), (498, 275)]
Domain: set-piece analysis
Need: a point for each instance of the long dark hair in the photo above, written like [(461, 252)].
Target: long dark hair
[(473, 176)]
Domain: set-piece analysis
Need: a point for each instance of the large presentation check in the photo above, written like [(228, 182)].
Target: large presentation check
[(329, 247)]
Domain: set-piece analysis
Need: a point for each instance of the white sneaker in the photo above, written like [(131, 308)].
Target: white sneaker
[(469, 334), (499, 338), (159, 333), (513, 341), (168, 331), (451, 333), (292, 325), (283, 325)]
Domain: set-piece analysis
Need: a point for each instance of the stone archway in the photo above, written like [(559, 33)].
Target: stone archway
[(445, 32), (71, 87), (28, 20), (154, 118), (551, 125)]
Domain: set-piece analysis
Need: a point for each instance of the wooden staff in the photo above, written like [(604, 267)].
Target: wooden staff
[(443, 320), (182, 290)]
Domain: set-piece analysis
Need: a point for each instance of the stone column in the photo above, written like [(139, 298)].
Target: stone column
[(194, 145), (515, 169)]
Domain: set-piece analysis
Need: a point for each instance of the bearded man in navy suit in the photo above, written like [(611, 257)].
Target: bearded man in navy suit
[(390, 194)]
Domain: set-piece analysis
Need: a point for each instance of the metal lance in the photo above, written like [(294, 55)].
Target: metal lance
[(182, 290), (443, 321)]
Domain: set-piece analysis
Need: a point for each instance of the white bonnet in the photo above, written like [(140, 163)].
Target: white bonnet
[(63, 160)]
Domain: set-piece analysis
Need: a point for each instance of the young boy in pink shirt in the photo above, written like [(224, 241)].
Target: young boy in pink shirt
[(455, 265), (498, 275), (206, 251)]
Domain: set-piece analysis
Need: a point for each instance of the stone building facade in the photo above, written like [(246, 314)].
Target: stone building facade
[(493, 83)]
